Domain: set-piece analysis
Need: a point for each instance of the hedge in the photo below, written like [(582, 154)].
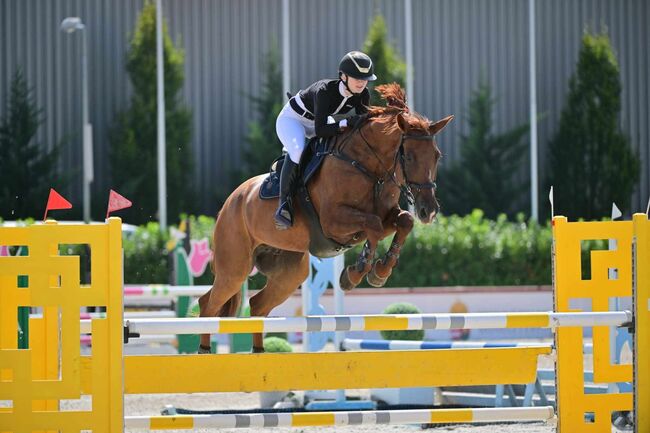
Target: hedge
[(469, 250)]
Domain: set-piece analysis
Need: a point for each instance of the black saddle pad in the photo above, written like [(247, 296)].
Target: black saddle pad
[(311, 160)]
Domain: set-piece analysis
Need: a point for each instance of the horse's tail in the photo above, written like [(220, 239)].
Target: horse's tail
[(213, 263), (231, 306)]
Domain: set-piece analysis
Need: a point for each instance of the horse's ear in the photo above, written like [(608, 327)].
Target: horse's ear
[(402, 123), (436, 127)]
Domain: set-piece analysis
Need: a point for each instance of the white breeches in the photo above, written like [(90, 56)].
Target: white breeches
[(293, 130)]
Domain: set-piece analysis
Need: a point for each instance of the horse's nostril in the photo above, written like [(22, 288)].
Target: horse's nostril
[(423, 213)]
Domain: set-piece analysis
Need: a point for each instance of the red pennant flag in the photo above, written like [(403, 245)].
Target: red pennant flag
[(56, 201), (117, 202)]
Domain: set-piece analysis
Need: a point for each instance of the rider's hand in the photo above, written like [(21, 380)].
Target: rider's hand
[(353, 121)]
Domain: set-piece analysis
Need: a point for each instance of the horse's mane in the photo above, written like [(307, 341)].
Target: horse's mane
[(395, 98)]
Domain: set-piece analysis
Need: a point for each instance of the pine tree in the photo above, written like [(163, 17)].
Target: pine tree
[(134, 138), (263, 143), (388, 65), (590, 161), (27, 170), (485, 177)]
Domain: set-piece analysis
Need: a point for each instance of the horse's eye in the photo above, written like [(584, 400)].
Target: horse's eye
[(409, 157)]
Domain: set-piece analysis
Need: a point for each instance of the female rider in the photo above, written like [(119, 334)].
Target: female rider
[(306, 116)]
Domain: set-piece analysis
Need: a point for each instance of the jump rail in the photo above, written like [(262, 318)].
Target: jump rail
[(302, 419), (216, 325)]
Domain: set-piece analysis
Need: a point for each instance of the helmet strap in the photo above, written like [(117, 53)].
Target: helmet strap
[(345, 82)]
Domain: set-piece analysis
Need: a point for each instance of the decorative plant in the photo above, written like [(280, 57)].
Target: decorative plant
[(403, 308)]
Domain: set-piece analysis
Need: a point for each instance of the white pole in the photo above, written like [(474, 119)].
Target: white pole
[(533, 114), (408, 28), (162, 164), (87, 131), (212, 325), (286, 48)]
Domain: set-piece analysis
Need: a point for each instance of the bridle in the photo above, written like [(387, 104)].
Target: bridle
[(407, 187)]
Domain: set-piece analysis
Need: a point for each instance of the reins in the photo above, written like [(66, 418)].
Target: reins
[(406, 188)]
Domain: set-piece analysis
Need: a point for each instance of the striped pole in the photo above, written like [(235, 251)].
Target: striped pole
[(358, 344), (304, 419), (144, 340), (364, 344), (218, 325), (132, 315), (163, 290)]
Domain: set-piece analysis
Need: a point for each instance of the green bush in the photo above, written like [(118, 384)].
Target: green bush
[(389, 67), (471, 251), (282, 335), (29, 168), (134, 134), (591, 162), (487, 174), (403, 308), (145, 256), (276, 344)]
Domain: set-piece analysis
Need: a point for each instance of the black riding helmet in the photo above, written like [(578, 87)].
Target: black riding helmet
[(357, 65)]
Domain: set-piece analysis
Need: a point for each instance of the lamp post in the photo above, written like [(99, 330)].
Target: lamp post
[(71, 25)]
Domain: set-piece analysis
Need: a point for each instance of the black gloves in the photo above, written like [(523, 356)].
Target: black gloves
[(353, 121)]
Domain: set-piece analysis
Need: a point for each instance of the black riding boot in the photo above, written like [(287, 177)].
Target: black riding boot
[(288, 178)]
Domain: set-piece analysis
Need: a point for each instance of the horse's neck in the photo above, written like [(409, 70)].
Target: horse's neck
[(374, 150)]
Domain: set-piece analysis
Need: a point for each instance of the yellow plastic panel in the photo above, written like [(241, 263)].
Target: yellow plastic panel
[(573, 403), (35, 380), (642, 324), (338, 370)]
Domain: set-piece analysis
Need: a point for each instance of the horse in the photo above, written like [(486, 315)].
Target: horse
[(356, 196)]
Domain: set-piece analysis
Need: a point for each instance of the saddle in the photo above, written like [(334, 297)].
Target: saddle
[(312, 158)]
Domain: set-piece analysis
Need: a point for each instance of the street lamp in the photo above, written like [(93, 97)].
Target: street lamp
[(71, 25)]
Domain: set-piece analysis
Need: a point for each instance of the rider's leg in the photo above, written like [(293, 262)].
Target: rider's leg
[(292, 135)]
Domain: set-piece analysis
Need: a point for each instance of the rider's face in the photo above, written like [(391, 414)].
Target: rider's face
[(355, 84)]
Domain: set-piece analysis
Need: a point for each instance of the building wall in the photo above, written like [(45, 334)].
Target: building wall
[(455, 41)]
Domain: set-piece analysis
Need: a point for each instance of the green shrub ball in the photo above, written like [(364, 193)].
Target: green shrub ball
[(403, 308), (276, 344)]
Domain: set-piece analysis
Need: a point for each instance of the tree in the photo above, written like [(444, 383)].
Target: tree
[(486, 175), (388, 65), (27, 170), (590, 161), (134, 138), (263, 143)]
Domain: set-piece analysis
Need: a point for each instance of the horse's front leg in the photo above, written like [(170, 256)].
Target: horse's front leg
[(352, 220), (384, 267)]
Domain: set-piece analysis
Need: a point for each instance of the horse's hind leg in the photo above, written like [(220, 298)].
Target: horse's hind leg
[(284, 272), (232, 266)]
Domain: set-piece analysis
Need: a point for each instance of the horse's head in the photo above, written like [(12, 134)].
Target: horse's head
[(417, 152), (419, 156)]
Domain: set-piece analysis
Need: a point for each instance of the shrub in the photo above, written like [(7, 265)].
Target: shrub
[(472, 251), (133, 138), (402, 308), (276, 345), (590, 161)]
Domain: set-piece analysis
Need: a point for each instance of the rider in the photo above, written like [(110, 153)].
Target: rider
[(306, 115)]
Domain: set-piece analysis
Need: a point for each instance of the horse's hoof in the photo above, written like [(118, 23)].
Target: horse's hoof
[(374, 280), (203, 350), (257, 350), (344, 281)]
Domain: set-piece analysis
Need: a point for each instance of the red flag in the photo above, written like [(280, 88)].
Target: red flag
[(117, 202), (56, 201)]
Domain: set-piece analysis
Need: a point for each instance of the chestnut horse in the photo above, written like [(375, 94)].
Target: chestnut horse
[(356, 195)]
